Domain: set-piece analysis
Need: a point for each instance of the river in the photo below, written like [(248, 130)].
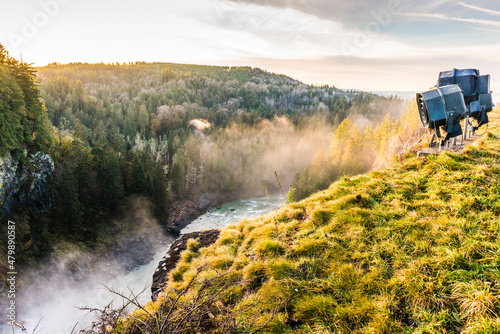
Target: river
[(56, 303)]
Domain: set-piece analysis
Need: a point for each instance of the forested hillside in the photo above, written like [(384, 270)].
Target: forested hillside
[(167, 132), (253, 116)]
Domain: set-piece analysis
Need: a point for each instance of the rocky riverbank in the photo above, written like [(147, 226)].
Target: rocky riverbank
[(169, 261), (184, 212)]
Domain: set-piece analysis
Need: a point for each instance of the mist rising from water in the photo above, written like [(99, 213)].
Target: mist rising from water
[(53, 291)]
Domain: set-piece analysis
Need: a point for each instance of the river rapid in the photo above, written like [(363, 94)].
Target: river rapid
[(54, 298)]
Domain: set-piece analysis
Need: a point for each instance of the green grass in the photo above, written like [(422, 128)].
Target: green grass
[(418, 253)]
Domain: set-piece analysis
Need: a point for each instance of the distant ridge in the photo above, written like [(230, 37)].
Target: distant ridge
[(403, 94)]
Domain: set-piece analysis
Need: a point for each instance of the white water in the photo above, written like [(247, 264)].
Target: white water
[(233, 212), (56, 298)]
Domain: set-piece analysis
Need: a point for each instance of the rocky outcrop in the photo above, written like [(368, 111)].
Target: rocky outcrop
[(24, 183), (169, 261), (184, 212)]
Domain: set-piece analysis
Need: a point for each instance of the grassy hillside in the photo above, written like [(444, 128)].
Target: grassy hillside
[(411, 249)]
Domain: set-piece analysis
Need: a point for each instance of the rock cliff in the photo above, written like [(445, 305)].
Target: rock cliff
[(24, 183)]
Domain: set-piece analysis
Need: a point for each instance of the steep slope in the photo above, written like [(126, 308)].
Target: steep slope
[(414, 248)]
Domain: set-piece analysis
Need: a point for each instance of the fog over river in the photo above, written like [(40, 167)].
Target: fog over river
[(53, 294)]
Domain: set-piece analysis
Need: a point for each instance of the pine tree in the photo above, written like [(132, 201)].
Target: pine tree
[(140, 185), (161, 195), (12, 112), (177, 176), (113, 180), (100, 137), (340, 141), (167, 74), (142, 119), (68, 210), (23, 121), (81, 95)]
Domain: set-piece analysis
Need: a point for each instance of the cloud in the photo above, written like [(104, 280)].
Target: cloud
[(480, 9), (279, 32), (350, 13), (347, 12), (441, 17), (288, 30), (402, 18)]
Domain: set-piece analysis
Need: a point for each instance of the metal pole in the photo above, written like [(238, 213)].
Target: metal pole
[(466, 126)]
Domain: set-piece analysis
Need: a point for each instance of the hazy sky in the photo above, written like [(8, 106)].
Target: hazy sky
[(392, 45)]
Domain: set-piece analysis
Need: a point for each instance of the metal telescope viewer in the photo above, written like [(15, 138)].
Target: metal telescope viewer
[(458, 95)]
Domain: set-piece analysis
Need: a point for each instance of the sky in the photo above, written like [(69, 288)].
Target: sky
[(387, 45)]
